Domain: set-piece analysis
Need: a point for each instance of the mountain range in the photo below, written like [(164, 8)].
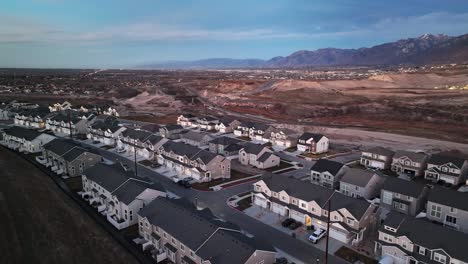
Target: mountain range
[(426, 49)]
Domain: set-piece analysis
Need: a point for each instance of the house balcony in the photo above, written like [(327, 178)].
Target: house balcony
[(146, 245), (86, 196), (119, 223), (159, 255), (41, 160), (101, 208)]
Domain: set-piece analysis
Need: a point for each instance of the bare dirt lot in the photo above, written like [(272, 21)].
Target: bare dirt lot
[(40, 224)]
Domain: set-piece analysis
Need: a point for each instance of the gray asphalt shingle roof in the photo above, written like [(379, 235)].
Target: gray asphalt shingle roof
[(413, 156), (358, 177), (381, 151), (440, 159), (21, 132), (323, 165), (308, 135), (252, 148), (449, 197), (405, 187)]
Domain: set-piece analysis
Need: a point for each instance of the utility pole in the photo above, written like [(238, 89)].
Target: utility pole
[(134, 152), (328, 230), (70, 124)]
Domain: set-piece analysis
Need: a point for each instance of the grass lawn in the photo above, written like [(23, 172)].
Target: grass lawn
[(145, 162), (244, 138), (314, 156), (74, 183), (244, 203), (282, 165), (290, 149), (353, 256)]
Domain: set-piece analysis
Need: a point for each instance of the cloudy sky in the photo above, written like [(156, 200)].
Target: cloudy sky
[(124, 33)]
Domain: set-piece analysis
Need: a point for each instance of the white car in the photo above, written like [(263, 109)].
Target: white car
[(175, 179), (317, 235)]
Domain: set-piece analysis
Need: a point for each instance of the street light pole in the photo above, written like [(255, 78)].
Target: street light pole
[(135, 157), (328, 230)]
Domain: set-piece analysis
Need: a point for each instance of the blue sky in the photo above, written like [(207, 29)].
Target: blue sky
[(124, 33)]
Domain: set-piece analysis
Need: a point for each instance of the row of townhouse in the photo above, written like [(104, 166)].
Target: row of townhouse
[(25, 140), (195, 138), (105, 129), (437, 167), (117, 193), (223, 125), (225, 146), (406, 240), (309, 203), (85, 108), (33, 118), (69, 122), (190, 161), (143, 142), (67, 158), (446, 206), (8, 110), (176, 232)]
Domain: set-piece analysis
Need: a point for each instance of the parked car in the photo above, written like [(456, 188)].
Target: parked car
[(185, 182), (288, 222), (295, 225), (317, 235), (175, 179)]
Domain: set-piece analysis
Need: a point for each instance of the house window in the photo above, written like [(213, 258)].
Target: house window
[(440, 258), (350, 221), (453, 210), (436, 211), (422, 251), (404, 244), (451, 219), (182, 247), (387, 197), (303, 205)]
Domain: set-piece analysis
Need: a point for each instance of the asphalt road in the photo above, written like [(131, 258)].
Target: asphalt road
[(217, 202)]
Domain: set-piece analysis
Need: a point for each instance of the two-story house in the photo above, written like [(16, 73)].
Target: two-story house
[(189, 161), (448, 169), (171, 131), (258, 156), (105, 132), (207, 122), (25, 140), (118, 193), (361, 183), (313, 143), (310, 204), (406, 240), (225, 146), (377, 158), (448, 207), (411, 163), (135, 139), (227, 125), (57, 107), (283, 137), (327, 173), (195, 138), (187, 120), (408, 197), (255, 131), (174, 231), (67, 158)]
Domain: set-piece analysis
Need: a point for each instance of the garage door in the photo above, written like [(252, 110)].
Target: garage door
[(278, 209), (260, 202), (298, 216), (338, 235)]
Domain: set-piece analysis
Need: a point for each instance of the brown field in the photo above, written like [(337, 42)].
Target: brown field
[(40, 224)]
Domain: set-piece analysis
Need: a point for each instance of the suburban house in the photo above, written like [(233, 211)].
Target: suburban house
[(152, 128), (106, 132), (327, 173), (112, 111), (176, 232), (377, 158), (25, 140), (282, 137), (34, 118), (411, 163), (207, 122), (60, 107), (67, 158), (225, 146), (63, 122), (361, 183), (195, 138), (403, 239), (117, 193), (308, 203), (449, 169), (171, 131), (187, 120), (408, 197), (133, 139), (189, 161), (448, 207), (227, 125), (4, 113), (258, 156), (254, 131), (313, 143)]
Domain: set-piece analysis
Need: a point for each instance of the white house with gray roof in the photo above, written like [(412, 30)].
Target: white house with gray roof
[(448, 207), (308, 204), (258, 156), (227, 125), (25, 140), (361, 183), (106, 132), (377, 158), (117, 193), (195, 138), (176, 232), (327, 173), (406, 240), (171, 131), (143, 142), (190, 161), (448, 169), (410, 163), (313, 143)]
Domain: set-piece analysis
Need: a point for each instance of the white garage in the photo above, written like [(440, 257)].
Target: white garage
[(300, 217), (339, 233), (260, 200), (278, 209)]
